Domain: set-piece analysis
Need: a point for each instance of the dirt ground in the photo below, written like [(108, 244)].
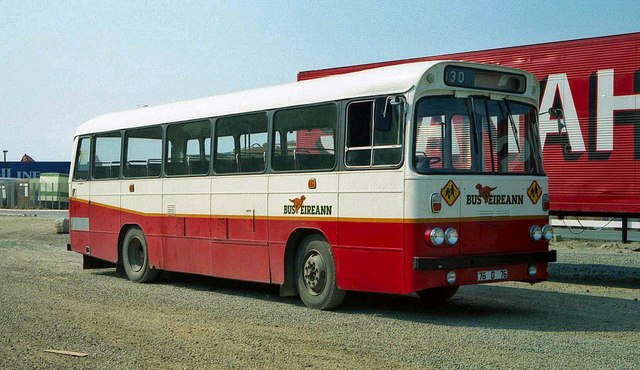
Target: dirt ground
[(586, 316)]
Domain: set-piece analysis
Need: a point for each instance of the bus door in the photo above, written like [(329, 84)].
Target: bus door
[(185, 198), (104, 206), (141, 188), (370, 226), (239, 226), (80, 196)]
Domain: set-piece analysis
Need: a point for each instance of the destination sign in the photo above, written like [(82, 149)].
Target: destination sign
[(483, 79)]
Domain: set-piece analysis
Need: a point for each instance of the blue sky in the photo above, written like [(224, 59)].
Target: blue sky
[(62, 63)]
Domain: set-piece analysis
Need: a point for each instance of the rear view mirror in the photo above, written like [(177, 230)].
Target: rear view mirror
[(558, 113), (384, 111), (382, 116)]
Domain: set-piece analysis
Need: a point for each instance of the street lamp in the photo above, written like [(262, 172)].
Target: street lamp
[(5, 154)]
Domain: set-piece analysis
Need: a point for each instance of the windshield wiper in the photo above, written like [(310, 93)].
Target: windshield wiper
[(474, 130), (513, 125), (488, 119)]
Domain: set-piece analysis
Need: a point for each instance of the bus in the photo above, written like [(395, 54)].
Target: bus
[(416, 178)]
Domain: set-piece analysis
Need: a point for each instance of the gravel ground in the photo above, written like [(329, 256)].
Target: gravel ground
[(587, 315)]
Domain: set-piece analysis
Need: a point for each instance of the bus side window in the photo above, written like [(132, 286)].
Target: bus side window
[(81, 167), (241, 144), (374, 135), (143, 152), (304, 138), (359, 122), (106, 158), (188, 148)]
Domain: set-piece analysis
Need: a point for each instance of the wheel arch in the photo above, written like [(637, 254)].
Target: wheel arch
[(288, 287)]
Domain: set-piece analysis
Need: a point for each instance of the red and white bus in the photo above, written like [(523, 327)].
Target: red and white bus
[(413, 178)]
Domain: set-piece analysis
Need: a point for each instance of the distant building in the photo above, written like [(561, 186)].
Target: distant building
[(32, 170)]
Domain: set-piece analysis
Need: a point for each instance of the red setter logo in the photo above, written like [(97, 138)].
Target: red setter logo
[(485, 192), (297, 203)]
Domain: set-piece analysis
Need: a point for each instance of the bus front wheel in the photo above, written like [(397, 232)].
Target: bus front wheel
[(316, 275), (135, 257)]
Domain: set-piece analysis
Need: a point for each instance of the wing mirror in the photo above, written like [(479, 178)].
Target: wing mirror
[(559, 114)]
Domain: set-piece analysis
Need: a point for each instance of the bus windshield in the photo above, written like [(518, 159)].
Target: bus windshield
[(476, 135)]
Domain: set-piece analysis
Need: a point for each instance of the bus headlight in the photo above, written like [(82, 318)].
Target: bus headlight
[(451, 236), (436, 236), (547, 232), (535, 232), (532, 270)]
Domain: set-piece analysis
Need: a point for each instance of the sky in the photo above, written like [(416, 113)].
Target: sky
[(65, 62)]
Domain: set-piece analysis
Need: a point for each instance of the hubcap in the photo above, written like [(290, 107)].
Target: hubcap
[(314, 272), (136, 254)]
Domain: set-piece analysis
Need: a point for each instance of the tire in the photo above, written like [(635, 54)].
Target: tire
[(135, 257), (434, 296), (316, 275)]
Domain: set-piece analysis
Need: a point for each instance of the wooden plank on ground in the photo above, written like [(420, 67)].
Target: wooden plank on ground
[(68, 353)]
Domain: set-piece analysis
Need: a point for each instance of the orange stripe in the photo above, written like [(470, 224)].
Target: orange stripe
[(79, 200), (328, 218)]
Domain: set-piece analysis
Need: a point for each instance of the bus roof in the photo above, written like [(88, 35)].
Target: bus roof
[(377, 81)]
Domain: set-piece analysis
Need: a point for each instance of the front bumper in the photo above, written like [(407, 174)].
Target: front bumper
[(461, 262)]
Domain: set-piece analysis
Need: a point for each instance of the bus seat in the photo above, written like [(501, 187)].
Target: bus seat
[(283, 163), (154, 167), (251, 163), (307, 161), (136, 169), (225, 165), (176, 168), (198, 167)]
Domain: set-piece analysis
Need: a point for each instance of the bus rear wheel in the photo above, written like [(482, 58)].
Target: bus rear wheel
[(135, 257), (433, 296), (316, 275)]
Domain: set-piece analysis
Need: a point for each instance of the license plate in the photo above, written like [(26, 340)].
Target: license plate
[(492, 275)]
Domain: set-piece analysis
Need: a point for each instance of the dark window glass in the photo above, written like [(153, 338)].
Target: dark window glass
[(188, 148), (241, 144), (374, 134), (476, 134), (81, 167), (106, 160), (144, 152), (304, 138)]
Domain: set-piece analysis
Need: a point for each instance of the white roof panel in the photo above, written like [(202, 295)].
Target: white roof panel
[(378, 81)]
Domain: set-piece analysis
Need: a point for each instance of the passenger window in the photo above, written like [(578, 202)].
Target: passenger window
[(241, 144), (106, 159), (143, 155), (304, 138), (374, 136), (81, 167), (189, 148)]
